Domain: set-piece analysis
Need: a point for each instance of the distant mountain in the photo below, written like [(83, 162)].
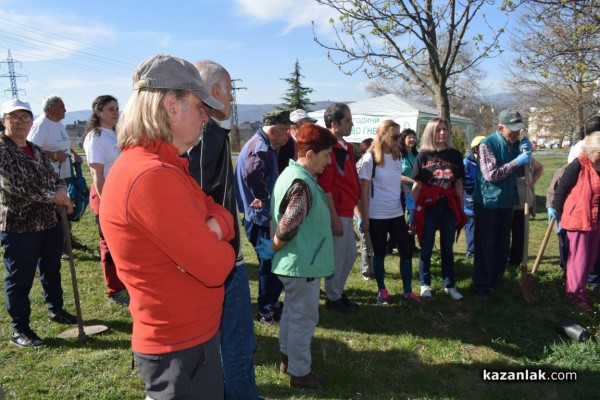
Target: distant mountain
[(255, 112), (246, 112), (73, 116)]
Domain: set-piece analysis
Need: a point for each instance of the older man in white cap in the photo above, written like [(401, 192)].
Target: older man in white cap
[(288, 151)]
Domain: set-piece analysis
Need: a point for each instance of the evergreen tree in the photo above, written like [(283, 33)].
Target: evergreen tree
[(297, 95)]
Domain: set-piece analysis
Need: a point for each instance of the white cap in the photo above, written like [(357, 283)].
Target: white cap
[(299, 115), (14, 105)]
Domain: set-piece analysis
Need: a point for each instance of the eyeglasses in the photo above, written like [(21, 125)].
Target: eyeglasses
[(396, 137), (16, 118)]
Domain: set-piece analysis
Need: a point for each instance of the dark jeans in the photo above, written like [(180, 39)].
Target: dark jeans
[(517, 237), (193, 373), (438, 217), (269, 286), (470, 234), (492, 246), (237, 337), (23, 253)]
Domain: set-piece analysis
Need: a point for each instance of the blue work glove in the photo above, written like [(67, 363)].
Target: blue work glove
[(525, 144), (358, 222), (523, 158), (551, 214), (411, 216), (265, 249), (410, 202)]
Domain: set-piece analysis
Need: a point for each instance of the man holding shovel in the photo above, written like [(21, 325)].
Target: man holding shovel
[(495, 196)]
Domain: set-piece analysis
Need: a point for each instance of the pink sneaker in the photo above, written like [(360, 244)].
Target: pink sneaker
[(383, 298), (411, 298)]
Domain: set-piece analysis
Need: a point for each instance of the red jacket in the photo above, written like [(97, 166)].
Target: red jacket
[(580, 212), (428, 196), (153, 216), (341, 180)]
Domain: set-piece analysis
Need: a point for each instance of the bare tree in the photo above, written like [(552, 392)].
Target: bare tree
[(558, 65), (422, 42)]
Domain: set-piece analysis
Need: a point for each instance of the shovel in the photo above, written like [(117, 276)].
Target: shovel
[(536, 264), (81, 332), (527, 280)]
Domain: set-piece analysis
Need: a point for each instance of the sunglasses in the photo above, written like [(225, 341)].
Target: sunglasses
[(396, 137)]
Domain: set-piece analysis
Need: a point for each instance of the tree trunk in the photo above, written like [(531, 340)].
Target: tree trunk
[(443, 103)]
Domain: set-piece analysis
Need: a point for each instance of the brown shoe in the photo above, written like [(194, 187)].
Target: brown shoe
[(284, 363), (308, 381)]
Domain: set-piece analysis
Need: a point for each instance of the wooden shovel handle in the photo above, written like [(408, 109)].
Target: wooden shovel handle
[(543, 246)]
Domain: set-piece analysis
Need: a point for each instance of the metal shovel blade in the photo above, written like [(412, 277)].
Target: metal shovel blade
[(87, 331)]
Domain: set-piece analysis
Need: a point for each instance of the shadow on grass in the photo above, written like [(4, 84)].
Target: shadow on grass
[(366, 374)]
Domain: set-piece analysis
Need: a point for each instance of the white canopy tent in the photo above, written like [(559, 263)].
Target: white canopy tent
[(368, 114)]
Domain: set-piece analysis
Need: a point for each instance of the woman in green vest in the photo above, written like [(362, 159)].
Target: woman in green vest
[(303, 247)]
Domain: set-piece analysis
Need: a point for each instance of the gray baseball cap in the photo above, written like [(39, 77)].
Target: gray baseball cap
[(164, 71)]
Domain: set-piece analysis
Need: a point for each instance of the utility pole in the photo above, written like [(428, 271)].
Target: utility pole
[(12, 76), (234, 134)]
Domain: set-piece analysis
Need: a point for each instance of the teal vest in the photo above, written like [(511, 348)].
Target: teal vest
[(310, 253), (501, 194)]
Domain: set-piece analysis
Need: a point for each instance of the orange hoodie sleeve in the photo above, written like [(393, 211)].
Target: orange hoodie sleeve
[(171, 211), (222, 216)]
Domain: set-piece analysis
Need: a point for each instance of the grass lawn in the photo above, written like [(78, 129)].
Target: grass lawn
[(437, 350)]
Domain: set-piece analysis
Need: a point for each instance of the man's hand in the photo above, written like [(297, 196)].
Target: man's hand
[(256, 203), (551, 214), (76, 157), (61, 156), (336, 227), (523, 158)]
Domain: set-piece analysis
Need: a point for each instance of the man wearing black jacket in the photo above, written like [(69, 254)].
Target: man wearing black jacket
[(210, 165)]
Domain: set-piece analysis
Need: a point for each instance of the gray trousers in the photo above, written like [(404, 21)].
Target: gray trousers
[(344, 256), (193, 373), (299, 321)]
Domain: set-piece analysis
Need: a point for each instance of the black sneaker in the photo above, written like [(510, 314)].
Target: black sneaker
[(348, 302), (340, 306), (62, 317), (266, 317), (77, 245), (26, 338)]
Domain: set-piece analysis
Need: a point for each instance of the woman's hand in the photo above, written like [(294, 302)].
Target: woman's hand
[(61, 198)]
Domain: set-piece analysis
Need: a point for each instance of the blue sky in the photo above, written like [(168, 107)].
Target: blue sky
[(81, 49)]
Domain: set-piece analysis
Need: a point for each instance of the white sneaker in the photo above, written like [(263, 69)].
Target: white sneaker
[(425, 291), (453, 293)]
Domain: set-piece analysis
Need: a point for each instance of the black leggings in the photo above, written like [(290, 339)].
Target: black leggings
[(396, 227)]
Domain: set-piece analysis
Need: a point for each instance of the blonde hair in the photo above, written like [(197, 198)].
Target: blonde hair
[(384, 130), (145, 119), (427, 143), (591, 143)]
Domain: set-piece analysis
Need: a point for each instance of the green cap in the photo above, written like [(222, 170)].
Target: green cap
[(277, 117), (511, 119)]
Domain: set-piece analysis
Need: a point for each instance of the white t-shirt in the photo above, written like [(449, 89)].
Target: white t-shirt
[(52, 136), (385, 202), (101, 148), (576, 149)]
